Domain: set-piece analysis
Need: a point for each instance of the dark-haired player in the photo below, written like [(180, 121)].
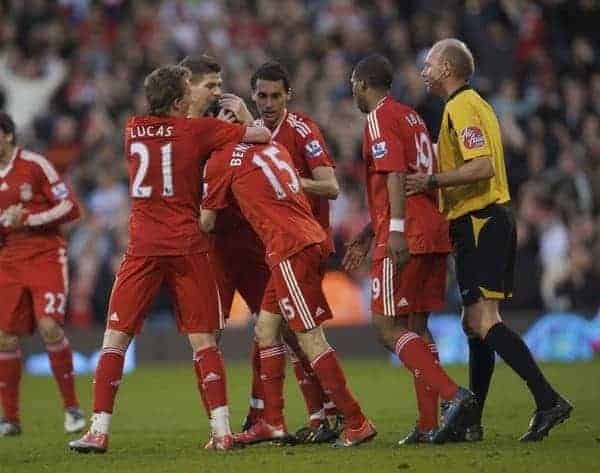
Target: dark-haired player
[(411, 246), (300, 135)]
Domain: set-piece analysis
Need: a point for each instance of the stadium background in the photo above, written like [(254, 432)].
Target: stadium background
[(71, 73)]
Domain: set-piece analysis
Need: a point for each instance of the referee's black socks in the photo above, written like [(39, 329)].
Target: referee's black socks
[(511, 347), (481, 367)]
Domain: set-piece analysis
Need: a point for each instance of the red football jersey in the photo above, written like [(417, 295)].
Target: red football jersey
[(31, 180), (165, 156), (262, 181), (302, 138), (395, 137)]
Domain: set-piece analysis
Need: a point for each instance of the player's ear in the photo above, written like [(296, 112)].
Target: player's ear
[(289, 94)]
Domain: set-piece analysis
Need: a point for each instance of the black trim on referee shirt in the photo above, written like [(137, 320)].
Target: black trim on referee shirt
[(458, 91)]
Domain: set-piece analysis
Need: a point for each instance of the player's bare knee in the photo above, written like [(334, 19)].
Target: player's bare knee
[(50, 330), (313, 342), (385, 329), (202, 341), (116, 339), (8, 342), (417, 323), (268, 329)]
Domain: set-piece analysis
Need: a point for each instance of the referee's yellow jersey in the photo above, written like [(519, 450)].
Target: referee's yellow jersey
[(470, 130)]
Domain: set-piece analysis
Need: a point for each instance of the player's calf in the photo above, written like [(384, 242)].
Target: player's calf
[(10, 380), (331, 377)]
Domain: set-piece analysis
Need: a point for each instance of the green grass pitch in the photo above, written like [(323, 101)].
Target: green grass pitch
[(159, 426)]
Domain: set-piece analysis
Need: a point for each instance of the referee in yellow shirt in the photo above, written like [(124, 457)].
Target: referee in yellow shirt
[(474, 196)]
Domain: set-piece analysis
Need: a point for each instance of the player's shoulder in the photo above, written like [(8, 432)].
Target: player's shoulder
[(385, 116), (301, 123), (232, 155), (465, 100), (38, 162)]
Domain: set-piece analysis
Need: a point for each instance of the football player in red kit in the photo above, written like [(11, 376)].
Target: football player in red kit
[(262, 182), (34, 201), (300, 135), (411, 247), (165, 151)]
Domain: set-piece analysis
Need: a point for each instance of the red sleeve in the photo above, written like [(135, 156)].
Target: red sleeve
[(314, 150), (64, 207), (213, 134), (217, 182), (385, 143)]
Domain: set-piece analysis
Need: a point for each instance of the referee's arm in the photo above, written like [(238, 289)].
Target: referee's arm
[(476, 169)]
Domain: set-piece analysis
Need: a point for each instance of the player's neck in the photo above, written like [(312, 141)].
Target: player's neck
[(375, 99), (6, 156), (274, 125), (452, 86)]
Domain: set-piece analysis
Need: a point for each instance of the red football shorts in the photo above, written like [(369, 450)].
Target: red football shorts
[(189, 279), (419, 287), (239, 263), (295, 291), (31, 289)]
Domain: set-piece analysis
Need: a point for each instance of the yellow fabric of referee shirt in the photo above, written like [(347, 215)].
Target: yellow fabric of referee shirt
[(470, 130)]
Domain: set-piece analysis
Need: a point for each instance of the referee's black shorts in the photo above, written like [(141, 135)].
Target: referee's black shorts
[(484, 247)]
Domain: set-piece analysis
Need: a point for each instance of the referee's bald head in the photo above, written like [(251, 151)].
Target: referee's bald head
[(458, 57)]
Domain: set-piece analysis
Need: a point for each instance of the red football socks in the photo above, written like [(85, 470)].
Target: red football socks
[(10, 379), (210, 373), (257, 394), (61, 361), (333, 380), (313, 394), (427, 399), (107, 379), (272, 373), (416, 356)]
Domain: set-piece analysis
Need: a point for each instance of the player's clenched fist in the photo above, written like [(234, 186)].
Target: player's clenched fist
[(13, 217)]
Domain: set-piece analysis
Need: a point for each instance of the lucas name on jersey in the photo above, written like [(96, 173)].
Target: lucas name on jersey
[(151, 131)]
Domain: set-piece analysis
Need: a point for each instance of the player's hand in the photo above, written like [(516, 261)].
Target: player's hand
[(416, 183), (226, 116), (13, 217), (356, 252), (398, 249), (237, 106)]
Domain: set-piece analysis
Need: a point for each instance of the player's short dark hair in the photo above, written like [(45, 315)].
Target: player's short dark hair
[(164, 86), (201, 65), (375, 71), (7, 125), (273, 71)]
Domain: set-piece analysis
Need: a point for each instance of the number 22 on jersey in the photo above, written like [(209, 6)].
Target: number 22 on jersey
[(140, 150), (266, 160)]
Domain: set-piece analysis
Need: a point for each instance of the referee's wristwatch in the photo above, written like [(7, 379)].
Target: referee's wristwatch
[(432, 182)]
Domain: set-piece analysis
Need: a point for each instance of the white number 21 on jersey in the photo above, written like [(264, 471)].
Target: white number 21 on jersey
[(137, 189)]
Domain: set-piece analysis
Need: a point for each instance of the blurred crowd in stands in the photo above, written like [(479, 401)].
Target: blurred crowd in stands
[(71, 72)]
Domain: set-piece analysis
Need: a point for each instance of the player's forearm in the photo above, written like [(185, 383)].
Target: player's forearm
[(255, 134), (475, 170), (328, 188), (63, 212), (396, 194)]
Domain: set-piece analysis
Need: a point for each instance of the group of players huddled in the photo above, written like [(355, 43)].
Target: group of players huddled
[(224, 202)]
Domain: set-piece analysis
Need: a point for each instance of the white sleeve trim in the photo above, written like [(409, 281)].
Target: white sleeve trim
[(55, 213)]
